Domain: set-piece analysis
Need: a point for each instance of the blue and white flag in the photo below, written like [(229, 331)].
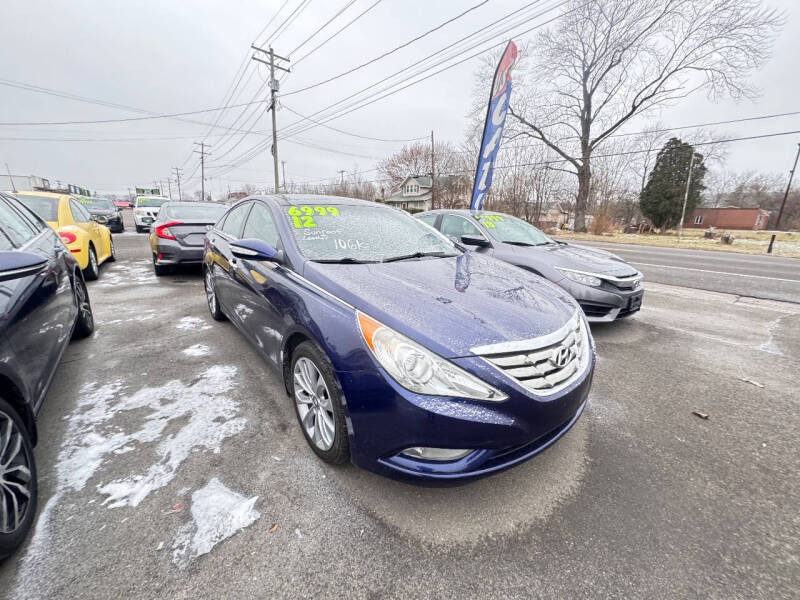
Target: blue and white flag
[(493, 128)]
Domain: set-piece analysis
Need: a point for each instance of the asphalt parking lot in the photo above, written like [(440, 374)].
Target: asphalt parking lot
[(171, 466)]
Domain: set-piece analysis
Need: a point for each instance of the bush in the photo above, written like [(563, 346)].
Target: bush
[(413, 211), (601, 224)]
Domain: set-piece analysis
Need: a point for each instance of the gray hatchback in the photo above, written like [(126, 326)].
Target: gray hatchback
[(604, 285), (176, 236)]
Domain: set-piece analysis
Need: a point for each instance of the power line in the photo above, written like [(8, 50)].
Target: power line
[(323, 26), (320, 45), (392, 51), (363, 137), (287, 22), (249, 154)]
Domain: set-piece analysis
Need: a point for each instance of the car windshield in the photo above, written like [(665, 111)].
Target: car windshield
[(348, 233), (44, 206), (512, 230), (144, 201), (209, 213), (101, 203)]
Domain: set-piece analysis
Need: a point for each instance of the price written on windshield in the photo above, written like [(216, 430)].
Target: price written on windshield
[(303, 216), (489, 220)]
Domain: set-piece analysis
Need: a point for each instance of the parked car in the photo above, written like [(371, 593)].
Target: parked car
[(605, 286), (178, 231), (145, 211), (401, 352), (43, 303), (104, 211), (89, 242)]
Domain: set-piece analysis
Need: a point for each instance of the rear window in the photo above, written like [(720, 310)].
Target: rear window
[(44, 206), (209, 213), (145, 201), (98, 203)]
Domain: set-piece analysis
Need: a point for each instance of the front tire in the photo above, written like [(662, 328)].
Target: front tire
[(18, 489), (84, 324), (113, 251), (318, 404), (92, 270)]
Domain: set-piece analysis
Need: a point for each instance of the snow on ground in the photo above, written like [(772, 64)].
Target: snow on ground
[(136, 274), (197, 350), (217, 514), (192, 323)]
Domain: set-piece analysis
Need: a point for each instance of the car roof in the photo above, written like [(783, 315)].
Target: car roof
[(55, 195), (204, 203), (461, 211), (314, 199)]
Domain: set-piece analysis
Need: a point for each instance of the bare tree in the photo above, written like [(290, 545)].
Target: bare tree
[(607, 61)]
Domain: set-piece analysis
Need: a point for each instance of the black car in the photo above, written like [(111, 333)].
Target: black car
[(606, 287), (43, 304), (176, 236), (105, 212)]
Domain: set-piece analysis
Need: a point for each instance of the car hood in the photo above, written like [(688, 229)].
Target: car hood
[(570, 256), (450, 305)]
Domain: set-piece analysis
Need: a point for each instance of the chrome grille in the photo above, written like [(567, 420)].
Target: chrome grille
[(628, 282), (546, 364)]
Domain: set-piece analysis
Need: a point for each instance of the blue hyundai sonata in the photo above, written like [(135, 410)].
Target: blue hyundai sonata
[(401, 352)]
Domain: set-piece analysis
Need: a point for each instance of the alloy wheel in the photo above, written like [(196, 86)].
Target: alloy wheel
[(314, 404), (84, 307), (15, 476), (211, 295)]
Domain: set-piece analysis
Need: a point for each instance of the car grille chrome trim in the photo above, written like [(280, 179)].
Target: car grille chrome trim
[(543, 365)]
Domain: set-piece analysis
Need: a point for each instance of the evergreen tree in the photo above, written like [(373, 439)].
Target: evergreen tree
[(661, 200)]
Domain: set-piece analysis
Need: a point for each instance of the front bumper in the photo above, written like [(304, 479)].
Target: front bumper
[(385, 419), (605, 303)]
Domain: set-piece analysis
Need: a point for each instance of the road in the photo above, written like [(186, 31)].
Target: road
[(757, 276), (164, 417)]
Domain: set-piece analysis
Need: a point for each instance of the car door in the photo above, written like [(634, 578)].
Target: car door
[(36, 308), (260, 298), (224, 263), (83, 219)]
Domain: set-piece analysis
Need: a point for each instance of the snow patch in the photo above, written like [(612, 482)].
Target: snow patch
[(121, 274), (197, 350), (217, 514), (192, 323)]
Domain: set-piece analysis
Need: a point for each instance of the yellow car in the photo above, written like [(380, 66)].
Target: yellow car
[(89, 242)]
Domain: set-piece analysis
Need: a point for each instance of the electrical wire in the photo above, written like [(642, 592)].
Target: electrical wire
[(390, 52), (363, 137), (323, 26)]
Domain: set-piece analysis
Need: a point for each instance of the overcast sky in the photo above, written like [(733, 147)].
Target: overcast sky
[(176, 56)]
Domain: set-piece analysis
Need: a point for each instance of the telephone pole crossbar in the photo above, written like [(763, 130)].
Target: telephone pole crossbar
[(274, 87)]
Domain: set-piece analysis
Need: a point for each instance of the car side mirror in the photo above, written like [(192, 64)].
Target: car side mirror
[(253, 249), (15, 265), (474, 240)]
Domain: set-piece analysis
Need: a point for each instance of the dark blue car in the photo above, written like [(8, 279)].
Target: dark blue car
[(402, 353), (43, 303)]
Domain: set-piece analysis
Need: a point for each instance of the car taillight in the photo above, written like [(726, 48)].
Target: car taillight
[(67, 237), (163, 231)]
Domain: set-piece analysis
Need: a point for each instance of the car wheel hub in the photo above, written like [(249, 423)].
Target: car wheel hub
[(15, 476), (314, 404), (210, 295)]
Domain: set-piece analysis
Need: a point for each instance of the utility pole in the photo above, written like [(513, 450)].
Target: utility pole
[(202, 152), (13, 187), (283, 165), (686, 195), (169, 187), (783, 204), (273, 91), (433, 177), (178, 177), (342, 172)]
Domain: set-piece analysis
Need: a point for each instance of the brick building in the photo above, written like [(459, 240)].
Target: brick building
[(728, 218)]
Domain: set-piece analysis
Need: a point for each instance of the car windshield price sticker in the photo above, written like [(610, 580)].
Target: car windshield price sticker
[(489, 220), (303, 216)]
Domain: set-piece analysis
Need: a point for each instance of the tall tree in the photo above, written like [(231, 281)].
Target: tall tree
[(606, 61), (662, 198)]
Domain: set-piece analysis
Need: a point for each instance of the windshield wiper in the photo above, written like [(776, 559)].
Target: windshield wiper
[(346, 260), (417, 255), (527, 244)]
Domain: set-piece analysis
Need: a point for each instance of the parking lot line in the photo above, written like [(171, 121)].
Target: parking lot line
[(715, 272)]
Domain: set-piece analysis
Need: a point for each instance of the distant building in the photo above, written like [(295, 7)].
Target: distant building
[(728, 218), (415, 193), (554, 216), (23, 183), (234, 196)]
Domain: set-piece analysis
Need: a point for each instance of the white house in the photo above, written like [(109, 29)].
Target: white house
[(414, 192)]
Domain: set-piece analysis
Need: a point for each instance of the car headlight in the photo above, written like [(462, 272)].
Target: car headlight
[(583, 278), (140, 211), (418, 369)]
